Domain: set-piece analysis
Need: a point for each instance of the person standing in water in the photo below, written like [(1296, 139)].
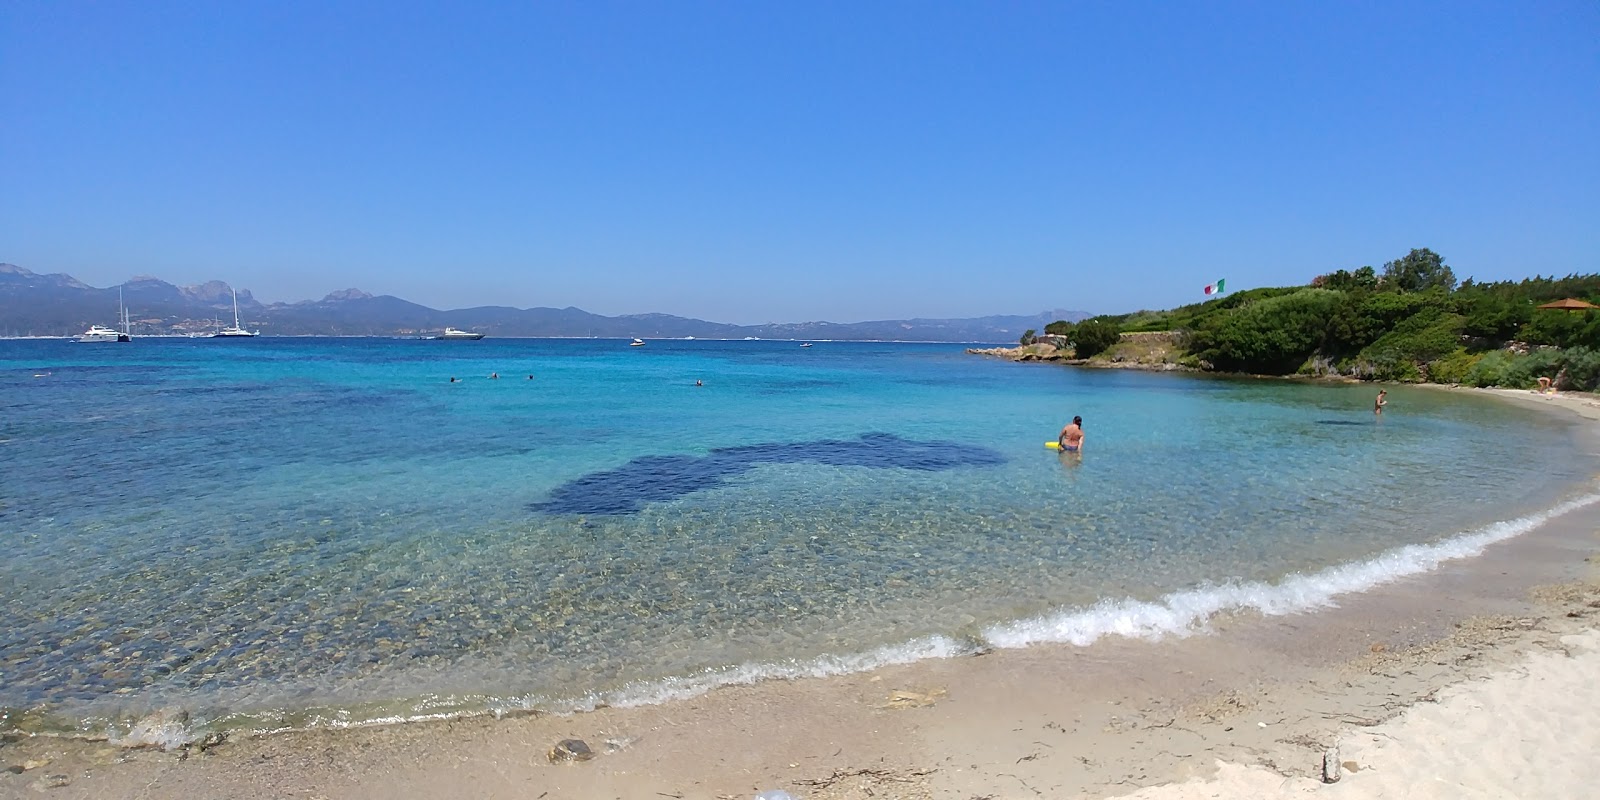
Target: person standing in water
[(1071, 438), (1383, 400)]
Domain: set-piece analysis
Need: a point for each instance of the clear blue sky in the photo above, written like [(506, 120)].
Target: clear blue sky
[(765, 161)]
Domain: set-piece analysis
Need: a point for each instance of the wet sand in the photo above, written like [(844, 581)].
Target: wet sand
[(1263, 696)]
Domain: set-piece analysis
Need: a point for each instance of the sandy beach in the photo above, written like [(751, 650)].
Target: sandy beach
[(1461, 682)]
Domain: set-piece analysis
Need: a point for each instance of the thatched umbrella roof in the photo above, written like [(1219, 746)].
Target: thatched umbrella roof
[(1569, 304)]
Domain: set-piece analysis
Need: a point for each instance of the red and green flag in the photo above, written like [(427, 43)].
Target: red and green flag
[(1215, 288)]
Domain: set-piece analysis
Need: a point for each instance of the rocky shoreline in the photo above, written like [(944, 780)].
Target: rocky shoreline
[(1154, 351)]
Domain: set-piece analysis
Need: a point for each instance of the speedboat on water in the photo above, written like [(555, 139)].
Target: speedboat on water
[(636, 343), (452, 333), (807, 344)]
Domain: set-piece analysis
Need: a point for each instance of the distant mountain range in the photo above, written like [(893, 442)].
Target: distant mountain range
[(60, 305)]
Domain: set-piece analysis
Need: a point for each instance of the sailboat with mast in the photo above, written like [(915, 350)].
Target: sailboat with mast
[(234, 332), (100, 333)]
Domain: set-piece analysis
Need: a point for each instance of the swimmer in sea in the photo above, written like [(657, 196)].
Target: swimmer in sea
[(1071, 438), (1383, 400)]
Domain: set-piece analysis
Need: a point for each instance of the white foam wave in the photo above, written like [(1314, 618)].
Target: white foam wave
[(1186, 612), (681, 688), (1178, 614)]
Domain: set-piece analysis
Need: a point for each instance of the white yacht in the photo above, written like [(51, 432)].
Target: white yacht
[(452, 333), (100, 333), (234, 332), (636, 343)]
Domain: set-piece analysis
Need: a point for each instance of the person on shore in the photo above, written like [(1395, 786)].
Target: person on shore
[(1071, 438), (1546, 386), (1383, 400)]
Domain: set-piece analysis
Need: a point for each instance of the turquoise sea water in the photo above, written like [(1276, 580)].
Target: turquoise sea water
[(283, 533)]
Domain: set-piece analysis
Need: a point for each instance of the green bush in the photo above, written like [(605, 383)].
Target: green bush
[(1562, 329), (1273, 336), (1092, 337), (1576, 368), (1581, 366), (1454, 367), (1425, 336)]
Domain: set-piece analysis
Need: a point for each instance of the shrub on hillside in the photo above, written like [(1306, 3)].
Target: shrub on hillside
[(1092, 337), (1577, 368), (1274, 336), (1562, 329), (1454, 367), (1423, 337), (1580, 369)]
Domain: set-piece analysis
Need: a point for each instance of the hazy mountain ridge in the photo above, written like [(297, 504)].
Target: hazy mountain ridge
[(57, 304)]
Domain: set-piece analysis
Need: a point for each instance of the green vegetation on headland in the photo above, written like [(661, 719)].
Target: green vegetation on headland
[(1409, 321)]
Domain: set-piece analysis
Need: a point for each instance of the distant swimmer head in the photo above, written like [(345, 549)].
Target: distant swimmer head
[(452, 379), (494, 375), (530, 377), (1078, 421), (698, 383)]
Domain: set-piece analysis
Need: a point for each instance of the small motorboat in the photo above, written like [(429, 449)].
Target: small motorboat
[(637, 342)]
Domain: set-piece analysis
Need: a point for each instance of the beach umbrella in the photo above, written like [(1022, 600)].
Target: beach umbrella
[(1569, 304)]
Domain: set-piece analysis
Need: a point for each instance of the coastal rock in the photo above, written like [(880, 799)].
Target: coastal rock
[(54, 781), (1331, 765), (166, 728), (516, 713), (1032, 352), (904, 698), (569, 750)]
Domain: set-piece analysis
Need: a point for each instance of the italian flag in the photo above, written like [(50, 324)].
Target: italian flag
[(1215, 288)]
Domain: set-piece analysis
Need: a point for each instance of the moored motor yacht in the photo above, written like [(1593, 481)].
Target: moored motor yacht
[(100, 333)]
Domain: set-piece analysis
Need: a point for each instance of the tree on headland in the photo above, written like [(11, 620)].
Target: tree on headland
[(1092, 337), (1409, 322), (1027, 337), (1344, 280), (1418, 270)]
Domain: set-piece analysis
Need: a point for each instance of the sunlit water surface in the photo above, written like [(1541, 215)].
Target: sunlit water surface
[(286, 532)]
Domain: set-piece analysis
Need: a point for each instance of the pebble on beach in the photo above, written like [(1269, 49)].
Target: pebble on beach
[(568, 750)]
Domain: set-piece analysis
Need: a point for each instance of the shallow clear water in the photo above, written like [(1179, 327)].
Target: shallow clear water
[(289, 532)]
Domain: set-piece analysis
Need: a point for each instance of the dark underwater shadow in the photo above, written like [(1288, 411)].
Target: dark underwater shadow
[(1342, 422), (651, 479)]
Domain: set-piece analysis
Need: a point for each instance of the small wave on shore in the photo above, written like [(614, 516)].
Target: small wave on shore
[(1182, 613), (1186, 612)]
